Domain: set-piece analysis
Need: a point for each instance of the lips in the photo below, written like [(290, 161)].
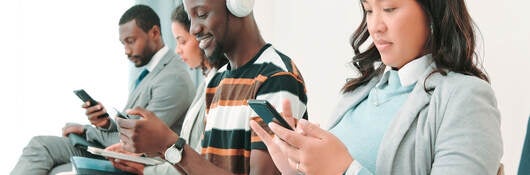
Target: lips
[(382, 44), (205, 41)]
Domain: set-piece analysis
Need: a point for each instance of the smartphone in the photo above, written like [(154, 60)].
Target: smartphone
[(267, 112), (85, 97), (121, 114)]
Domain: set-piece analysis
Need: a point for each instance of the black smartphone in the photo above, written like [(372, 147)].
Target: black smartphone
[(267, 112), (121, 114), (85, 97)]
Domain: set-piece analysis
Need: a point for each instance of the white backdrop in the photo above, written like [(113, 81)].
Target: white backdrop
[(49, 48)]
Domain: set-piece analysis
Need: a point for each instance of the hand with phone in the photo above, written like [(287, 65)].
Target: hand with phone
[(121, 114), (278, 157), (308, 149), (96, 113), (147, 135), (267, 112)]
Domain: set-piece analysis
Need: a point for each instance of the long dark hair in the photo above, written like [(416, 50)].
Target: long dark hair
[(179, 15), (452, 43)]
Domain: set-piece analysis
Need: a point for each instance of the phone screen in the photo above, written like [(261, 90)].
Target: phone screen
[(265, 110)]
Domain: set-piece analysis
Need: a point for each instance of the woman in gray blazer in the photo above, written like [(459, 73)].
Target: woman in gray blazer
[(427, 109)]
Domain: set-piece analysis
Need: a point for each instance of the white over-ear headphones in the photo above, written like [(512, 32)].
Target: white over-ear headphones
[(240, 8)]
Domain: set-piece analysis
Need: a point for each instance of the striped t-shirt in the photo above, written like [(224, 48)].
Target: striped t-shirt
[(270, 76)]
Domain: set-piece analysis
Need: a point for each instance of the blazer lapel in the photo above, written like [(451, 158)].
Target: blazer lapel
[(406, 116), (135, 94)]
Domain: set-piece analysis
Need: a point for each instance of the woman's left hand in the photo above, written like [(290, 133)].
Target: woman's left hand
[(279, 159), (310, 149)]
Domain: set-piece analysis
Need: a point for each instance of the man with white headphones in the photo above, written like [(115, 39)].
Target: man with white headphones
[(255, 71)]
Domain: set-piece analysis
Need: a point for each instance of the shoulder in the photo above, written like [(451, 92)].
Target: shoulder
[(174, 62), (458, 93), (274, 61), (460, 84)]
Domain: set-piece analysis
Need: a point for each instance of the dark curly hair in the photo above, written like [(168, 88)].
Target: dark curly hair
[(452, 43)]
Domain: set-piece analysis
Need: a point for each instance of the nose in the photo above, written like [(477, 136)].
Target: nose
[(376, 23), (128, 50), (195, 28), (178, 50)]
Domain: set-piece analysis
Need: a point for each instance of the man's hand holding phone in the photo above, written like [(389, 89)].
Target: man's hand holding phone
[(97, 115), (149, 134), (94, 114)]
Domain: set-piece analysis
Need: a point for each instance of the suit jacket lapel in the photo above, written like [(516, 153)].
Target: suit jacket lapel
[(135, 94)]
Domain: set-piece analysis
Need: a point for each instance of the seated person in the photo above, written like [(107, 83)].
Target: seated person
[(193, 127), (166, 89)]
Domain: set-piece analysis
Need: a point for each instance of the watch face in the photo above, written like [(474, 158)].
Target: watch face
[(173, 155)]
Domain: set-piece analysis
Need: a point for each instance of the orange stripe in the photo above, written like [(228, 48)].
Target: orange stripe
[(255, 139), (243, 81), (225, 152), (295, 70), (211, 90), (229, 103), (261, 78)]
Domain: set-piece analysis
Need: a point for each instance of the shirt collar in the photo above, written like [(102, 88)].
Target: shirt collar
[(156, 58), (410, 72)]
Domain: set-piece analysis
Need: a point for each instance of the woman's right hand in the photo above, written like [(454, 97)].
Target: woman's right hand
[(312, 150)]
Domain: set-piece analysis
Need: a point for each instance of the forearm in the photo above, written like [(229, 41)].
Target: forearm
[(193, 163), (104, 136)]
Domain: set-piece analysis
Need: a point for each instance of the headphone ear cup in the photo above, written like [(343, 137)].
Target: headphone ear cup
[(240, 8)]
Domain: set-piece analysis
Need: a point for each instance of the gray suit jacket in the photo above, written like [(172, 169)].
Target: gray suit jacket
[(453, 130), (166, 91)]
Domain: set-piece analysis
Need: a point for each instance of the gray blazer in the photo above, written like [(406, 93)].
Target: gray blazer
[(166, 91), (453, 130)]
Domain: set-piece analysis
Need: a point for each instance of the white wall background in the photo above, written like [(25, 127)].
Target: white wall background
[(49, 48)]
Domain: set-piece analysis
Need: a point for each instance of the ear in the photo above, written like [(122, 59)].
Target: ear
[(155, 32)]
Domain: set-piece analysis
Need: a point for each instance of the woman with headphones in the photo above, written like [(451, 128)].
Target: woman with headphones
[(421, 105)]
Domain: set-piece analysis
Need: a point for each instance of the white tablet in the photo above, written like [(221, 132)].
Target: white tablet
[(116, 155)]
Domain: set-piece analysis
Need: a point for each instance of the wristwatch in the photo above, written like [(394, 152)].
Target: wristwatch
[(174, 153)]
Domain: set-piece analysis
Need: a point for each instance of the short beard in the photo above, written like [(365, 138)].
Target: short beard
[(217, 54)]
